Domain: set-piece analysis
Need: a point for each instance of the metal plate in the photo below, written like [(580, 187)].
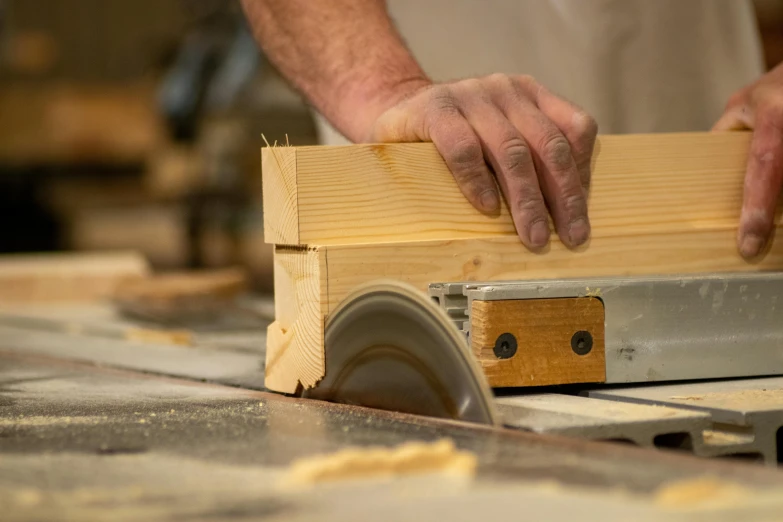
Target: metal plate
[(748, 408), (388, 346)]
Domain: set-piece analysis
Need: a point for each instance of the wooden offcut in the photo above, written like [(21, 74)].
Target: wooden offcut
[(78, 277), (181, 296), (543, 330), (345, 216)]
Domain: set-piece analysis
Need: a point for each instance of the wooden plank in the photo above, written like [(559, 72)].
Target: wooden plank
[(504, 258), (326, 274), (539, 332), (31, 278), (294, 352), (645, 183)]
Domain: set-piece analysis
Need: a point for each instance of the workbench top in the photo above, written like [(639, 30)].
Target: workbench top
[(86, 440)]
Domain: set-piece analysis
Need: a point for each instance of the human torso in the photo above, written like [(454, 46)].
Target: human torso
[(635, 65)]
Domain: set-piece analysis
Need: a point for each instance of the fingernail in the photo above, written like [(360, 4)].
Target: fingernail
[(539, 234), (578, 232), (751, 245), (489, 201)]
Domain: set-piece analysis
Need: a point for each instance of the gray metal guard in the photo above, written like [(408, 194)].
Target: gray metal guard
[(661, 328)]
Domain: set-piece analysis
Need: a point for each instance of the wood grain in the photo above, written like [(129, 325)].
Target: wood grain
[(543, 329), (280, 195), (504, 258), (82, 277), (645, 183), (294, 353)]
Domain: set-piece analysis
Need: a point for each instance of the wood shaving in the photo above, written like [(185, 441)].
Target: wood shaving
[(701, 492), (686, 398), (175, 337), (374, 462)]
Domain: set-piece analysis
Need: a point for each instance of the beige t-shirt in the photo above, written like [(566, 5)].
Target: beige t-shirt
[(635, 65)]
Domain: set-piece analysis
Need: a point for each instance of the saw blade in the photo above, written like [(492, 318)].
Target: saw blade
[(388, 346)]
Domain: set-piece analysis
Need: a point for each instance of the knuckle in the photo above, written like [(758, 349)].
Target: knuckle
[(514, 155), (499, 79), (556, 151), (472, 89), (530, 202), (763, 153), (526, 86), (470, 84), (466, 155), (442, 104), (471, 181), (442, 96), (526, 79), (574, 204), (584, 125)]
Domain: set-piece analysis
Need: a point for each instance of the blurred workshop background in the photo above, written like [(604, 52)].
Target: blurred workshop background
[(136, 124)]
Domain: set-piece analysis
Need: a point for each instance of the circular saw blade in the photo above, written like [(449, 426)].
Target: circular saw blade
[(388, 346)]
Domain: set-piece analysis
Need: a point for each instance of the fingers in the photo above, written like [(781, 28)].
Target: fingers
[(763, 181), (462, 151), (539, 147), (731, 120), (558, 175), (758, 107), (578, 127), (737, 115), (512, 161)]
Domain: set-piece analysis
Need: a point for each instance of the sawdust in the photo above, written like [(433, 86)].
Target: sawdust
[(27, 497), (379, 462), (145, 335), (44, 420), (702, 492), (722, 438), (592, 293), (740, 399)]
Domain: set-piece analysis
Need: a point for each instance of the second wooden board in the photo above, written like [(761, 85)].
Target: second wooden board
[(311, 282)]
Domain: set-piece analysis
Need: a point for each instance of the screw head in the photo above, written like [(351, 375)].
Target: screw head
[(505, 346), (582, 342)]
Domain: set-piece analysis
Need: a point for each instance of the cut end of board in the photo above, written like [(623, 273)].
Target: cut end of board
[(280, 195), (294, 354)]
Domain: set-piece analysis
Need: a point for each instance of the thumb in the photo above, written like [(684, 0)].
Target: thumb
[(735, 118)]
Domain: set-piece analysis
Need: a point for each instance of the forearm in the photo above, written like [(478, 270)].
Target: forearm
[(344, 56)]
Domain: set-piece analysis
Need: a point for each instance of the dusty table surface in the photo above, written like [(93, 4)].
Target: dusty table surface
[(93, 427), (81, 442)]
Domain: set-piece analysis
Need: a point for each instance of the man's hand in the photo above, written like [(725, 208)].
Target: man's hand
[(759, 106), (538, 145), (347, 58)]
